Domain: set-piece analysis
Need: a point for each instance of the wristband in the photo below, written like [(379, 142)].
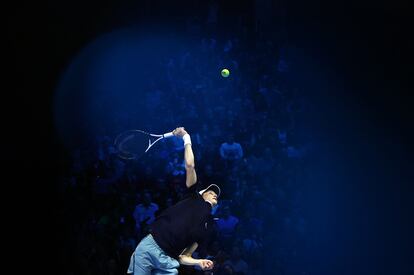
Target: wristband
[(187, 139)]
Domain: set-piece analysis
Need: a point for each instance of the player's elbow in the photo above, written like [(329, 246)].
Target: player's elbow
[(189, 166), (183, 259)]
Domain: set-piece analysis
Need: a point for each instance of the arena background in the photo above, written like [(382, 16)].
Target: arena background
[(318, 97)]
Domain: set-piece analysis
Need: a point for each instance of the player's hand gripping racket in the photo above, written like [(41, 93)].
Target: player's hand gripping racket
[(132, 144)]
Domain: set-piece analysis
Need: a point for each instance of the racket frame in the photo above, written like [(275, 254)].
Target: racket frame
[(150, 143)]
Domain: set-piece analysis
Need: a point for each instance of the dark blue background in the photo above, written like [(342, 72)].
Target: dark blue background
[(362, 223)]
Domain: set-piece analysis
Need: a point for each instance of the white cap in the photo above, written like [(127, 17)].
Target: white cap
[(213, 187)]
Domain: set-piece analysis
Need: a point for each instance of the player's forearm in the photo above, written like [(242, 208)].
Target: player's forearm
[(188, 260), (191, 176), (189, 157)]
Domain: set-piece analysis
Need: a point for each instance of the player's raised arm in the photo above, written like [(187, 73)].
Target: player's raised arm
[(191, 176)]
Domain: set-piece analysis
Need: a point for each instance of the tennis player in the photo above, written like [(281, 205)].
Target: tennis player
[(179, 230)]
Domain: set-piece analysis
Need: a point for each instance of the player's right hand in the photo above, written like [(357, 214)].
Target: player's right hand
[(179, 132), (206, 264)]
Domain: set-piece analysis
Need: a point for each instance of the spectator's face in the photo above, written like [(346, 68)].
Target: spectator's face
[(211, 197)]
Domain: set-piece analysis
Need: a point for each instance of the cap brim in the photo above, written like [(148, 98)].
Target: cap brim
[(213, 187)]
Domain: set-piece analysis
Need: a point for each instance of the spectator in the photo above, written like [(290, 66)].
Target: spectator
[(226, 225), (144, 213), (231, 150), (175, 167)]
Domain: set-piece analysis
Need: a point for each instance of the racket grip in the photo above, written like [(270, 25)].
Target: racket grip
[(167, 135)]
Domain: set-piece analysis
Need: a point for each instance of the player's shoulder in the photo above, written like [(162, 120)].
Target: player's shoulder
[(194, 188), (193, 191)]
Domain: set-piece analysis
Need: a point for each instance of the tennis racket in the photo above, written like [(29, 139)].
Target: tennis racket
[(132, 144)]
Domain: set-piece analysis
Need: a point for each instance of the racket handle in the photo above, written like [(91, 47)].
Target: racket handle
[(167, 135)]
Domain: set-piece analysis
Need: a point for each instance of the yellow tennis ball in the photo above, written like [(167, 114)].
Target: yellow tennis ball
[(225, 73)]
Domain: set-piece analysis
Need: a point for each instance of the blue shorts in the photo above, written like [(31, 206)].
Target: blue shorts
[(149, 259)]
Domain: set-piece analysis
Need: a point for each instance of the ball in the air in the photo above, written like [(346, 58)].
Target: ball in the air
[(225, 73)]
